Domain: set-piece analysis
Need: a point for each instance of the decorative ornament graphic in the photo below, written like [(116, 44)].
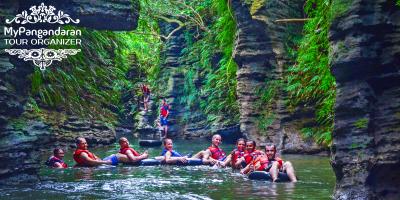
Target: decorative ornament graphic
[(42, 14), (42, 57)]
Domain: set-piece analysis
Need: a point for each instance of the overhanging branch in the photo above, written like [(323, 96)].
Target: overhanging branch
[(292, 20)]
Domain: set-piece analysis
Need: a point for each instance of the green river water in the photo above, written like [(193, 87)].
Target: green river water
[(316, 180)]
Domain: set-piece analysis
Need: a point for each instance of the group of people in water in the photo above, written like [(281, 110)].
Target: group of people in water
[(245, 157)]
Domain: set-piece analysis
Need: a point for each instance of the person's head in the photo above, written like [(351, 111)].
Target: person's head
[(168, 143), (123, 142), (241, 144), (251, 145), (270, 150), (163, 101), (216, 140), (58, 152), (81, 143)]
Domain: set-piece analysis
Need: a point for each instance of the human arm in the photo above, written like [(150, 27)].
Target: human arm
[(247, 169), (167, 114), (94, 162), (238, 162), (58, 165), (207, 158), (169, 159), (227, 161), (133, 158)]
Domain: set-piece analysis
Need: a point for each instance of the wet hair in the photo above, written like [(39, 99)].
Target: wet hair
[(216, 136), (78, 140), (240, 139), (271, 144), (57, 151), (165, 140), (121, 139), (252, 141)]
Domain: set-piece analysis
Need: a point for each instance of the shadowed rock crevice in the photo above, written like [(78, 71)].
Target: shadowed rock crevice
[(172, 76)]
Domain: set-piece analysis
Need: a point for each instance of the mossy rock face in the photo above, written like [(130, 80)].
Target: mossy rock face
[(256, 5), (361, 123), (366, 149), (27, 135)]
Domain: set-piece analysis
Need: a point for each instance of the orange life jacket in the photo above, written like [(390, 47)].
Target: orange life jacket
[(217, 153), (123, 151), (79, 160), (53, 160), (236, 155), (252, 156), (266, 164)]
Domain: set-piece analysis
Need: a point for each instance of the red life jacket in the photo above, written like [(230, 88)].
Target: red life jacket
[(145, 89), (252, 156), (123, 151), (53, 160), (164, 109), (266, 164), (217, 153), (236, 155), (79, 160)]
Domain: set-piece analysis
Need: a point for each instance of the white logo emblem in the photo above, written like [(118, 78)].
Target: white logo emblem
[(41, 57), (42, 14)]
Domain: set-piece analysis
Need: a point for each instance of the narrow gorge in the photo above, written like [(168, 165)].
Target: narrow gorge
[(318, 78)]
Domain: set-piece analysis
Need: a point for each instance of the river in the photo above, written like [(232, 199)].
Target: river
[(316, 180)]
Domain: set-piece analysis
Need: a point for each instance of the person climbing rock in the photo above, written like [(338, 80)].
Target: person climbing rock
[(56, 160), (146, 96), (164, 113), (272, 164), (84, 158), (127, 154)]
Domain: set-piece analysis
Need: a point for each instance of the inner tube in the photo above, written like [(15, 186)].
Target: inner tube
[(265, 176), (150, 143), (191, 162), (145, 162), (154, 162)]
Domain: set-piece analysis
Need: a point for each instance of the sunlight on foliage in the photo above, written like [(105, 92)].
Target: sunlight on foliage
[(310, 79), (90, 84), (218, 90)]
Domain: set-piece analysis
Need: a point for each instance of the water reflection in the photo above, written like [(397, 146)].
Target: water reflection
[(84, 173)]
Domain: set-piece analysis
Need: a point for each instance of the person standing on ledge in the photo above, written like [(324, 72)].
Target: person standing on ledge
[(84, 158), (56, 160), (164, 113), (146, 96)]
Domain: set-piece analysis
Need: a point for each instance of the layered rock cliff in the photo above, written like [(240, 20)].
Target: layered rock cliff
[(263, 60), (172, 76), (187, 121), (366, 65), (21, 138)]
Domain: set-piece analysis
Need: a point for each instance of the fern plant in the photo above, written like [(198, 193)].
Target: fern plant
[(310, 80)]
